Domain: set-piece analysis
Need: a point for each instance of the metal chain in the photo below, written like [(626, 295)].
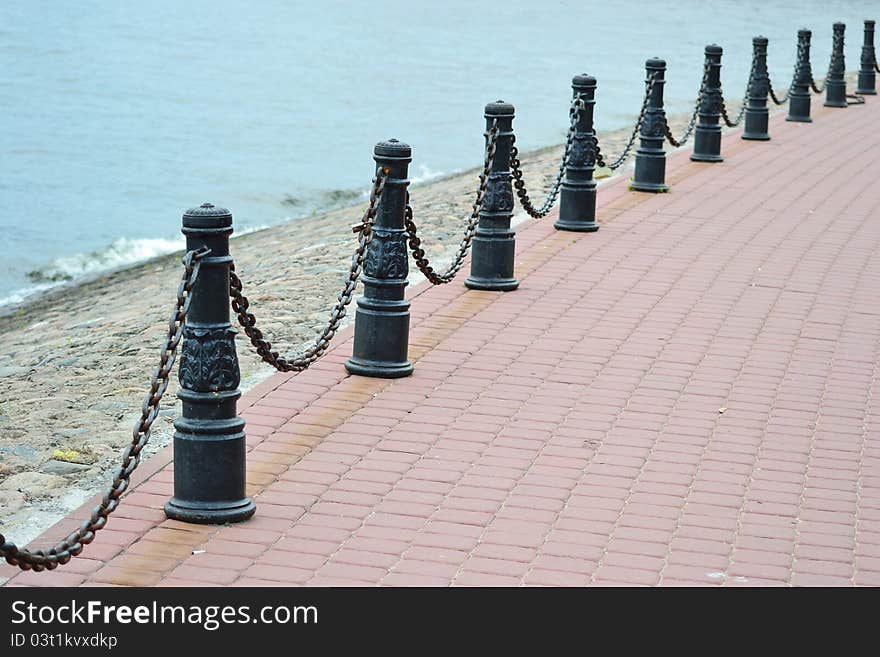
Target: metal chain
[(775, 98), (692, 124), (415, 243), (617, 162), (732, 123), (794, 77), (62, 552), (577, 105), (834, 49), (248, 321)]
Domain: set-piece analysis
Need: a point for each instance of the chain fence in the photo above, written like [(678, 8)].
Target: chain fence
[(732, 123), (692, 123), (577, 106), (415, 244), (62, 552), (836, 47), (298, 363), (794, 76), (617, 162)]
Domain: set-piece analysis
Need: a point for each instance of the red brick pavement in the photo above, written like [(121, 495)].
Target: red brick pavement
[(687, 397)]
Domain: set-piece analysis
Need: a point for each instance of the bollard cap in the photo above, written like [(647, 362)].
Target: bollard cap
[(869, 23), (498, 108), (655, 64), (713, 49), (207, 215), (583, 81), (760, 40), (393, 149), (804, 32), (839, 27)]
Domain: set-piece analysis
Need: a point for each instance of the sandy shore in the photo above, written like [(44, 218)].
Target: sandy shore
[(74, 364)]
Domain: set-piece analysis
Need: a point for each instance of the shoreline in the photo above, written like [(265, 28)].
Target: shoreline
[(75, 361)]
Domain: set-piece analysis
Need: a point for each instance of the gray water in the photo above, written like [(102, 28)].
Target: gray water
[(117, 115)]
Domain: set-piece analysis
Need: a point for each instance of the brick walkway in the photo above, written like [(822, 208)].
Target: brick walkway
[(688, 396)]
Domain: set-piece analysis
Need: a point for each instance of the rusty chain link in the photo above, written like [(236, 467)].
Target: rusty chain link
[(616, 164), (415, 244), (574, 112), (692, 124), (248, 321), (732, 123), (62, 552)]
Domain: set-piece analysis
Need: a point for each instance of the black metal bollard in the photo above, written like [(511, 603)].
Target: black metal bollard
[(757, 114), (577, 204), (707, 136), (381, 328), (835, 87), (495, 241), (650, 171), (867, 75), (209, 442), (799, 95)]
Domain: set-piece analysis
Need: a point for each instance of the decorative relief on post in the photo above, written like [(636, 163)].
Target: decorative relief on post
[(583, 153), (760, 86), (654, 125), (387, 255), (499, 194), (208, 362), (711, 103)]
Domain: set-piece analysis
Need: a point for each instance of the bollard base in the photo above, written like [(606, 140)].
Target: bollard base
[(706, 158), (835, 103), (491, 284), (654, 188), (378, 369), (576, 226), (799, 119), (866, 92), (209, 513), (756, 136)]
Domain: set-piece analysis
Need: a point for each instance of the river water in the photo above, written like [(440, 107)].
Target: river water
[(118, 115)]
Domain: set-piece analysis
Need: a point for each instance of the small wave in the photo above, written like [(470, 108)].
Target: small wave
[(124, 251), (425, 174), (23, 294), (338, 197)]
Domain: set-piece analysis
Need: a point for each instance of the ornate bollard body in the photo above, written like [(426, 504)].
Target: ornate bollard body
[(867, 74), (381, 328), (707, 136), (799, 95), (835, 87), (757, 114), (650, 171), (209, 442), (577, 205), (495, 241)]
